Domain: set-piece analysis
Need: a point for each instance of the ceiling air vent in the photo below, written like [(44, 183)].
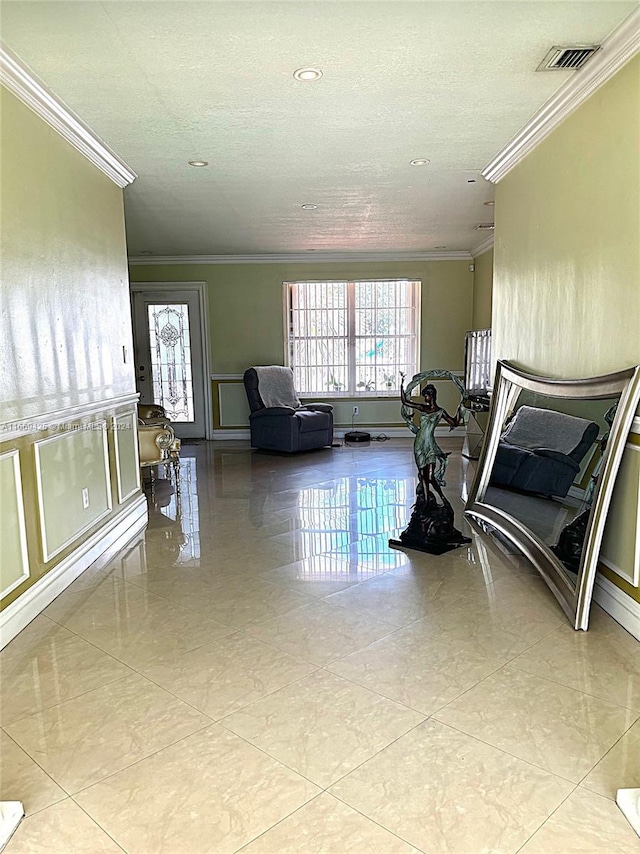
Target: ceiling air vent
[(484, 226), (567, 56)]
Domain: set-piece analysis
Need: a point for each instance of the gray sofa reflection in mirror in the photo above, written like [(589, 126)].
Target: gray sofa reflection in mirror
[(540, 451), (278, 420)]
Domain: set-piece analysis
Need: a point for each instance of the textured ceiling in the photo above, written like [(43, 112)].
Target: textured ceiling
[(163, 83)]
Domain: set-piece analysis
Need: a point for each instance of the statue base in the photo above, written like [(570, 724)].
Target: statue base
[(431, 527), (430, 548)]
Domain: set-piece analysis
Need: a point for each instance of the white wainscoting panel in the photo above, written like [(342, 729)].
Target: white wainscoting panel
[(65, 465), (125, 443), (622, 555), (13, 533)]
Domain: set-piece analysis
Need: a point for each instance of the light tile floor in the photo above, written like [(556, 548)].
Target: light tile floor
[(260, 672)]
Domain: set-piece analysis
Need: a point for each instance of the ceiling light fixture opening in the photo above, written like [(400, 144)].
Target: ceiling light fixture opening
[(471, 181), (307, 74), (484, 226), (198, 163), (309, 207), (439, 247), (420, 161), (489, 204)]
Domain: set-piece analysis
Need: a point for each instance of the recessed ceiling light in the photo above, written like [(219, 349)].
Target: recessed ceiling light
[(484, 226), (471, 181), (489, 204), (309, 207), (146, 252), (420, 161), (439, 247), (309, 250), (307, 74), (198, 163)]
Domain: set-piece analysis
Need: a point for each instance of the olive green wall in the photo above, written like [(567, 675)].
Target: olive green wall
[(566, 292), (483, 290), (64, 272), (246, 315), (246, 305), (65, 321)]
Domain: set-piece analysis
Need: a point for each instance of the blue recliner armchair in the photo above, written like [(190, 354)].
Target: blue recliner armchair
[(278, 421)]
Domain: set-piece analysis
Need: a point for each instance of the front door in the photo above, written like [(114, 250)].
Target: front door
[(170, 359)]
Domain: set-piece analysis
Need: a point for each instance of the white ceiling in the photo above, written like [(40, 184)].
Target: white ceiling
[(166, 82)]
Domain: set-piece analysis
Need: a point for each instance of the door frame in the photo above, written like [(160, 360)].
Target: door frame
[(201, 289)]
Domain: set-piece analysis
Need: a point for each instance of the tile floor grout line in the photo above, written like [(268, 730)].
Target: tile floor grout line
[(373, 756), (552, 813), (375, 821), (232, 631), (266, 752), (97, 824), (35, 761), (339, 800), (625, 733), (271, 757), (484, 678), (210, 722), (279, 822), (82, 693), (502, 750), (201, 729), (202, 613), (578, 690), (69, 699), (250, 703)]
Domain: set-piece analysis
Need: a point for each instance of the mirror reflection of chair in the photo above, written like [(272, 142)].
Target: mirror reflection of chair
[(278, 421), (540, 451), (165, 536)]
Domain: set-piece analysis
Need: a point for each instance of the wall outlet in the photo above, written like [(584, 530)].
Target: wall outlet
[(85, 497), (355, 410)]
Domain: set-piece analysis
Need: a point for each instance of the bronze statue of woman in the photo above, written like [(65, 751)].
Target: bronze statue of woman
[(428, 454)]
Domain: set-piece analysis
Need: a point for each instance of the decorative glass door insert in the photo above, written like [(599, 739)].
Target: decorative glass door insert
[(170, 346)]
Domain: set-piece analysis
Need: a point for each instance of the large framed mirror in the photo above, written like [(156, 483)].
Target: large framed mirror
[(547, 471)]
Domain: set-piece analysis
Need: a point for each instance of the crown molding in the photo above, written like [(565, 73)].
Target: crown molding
[(617, 49), (25, 85), (298, 258), (483, 247)]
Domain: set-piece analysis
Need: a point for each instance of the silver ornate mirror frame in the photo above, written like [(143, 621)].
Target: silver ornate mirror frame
[(509, 382)]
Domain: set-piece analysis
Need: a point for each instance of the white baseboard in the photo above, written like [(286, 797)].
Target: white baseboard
[(108, 539), (225, 435), (229, 434), (615, 602), (11, 814)]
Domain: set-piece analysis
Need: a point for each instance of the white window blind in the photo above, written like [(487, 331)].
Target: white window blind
[(352, 338), (477, 361)]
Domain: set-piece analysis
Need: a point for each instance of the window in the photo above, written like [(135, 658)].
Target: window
[(477, 361), (352, 338)]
